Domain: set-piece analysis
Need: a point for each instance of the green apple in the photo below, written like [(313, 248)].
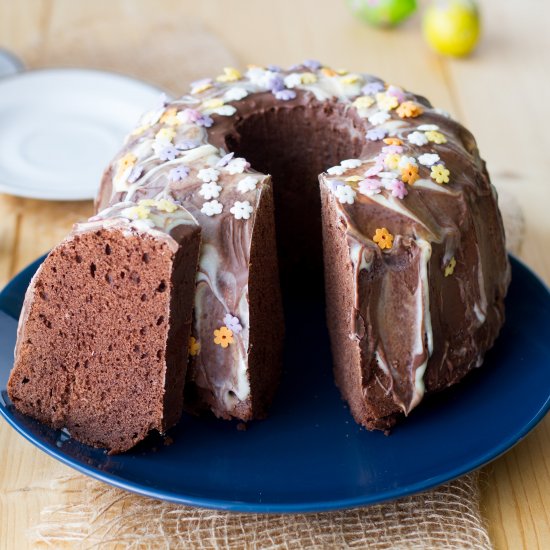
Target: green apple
[(452, 27), (382, 13)]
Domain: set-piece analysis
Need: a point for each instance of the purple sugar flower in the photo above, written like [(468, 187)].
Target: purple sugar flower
[(276, 83), (369, 186), (285, 95), (376, 134), (372, 88), (168, 153), (312, 64), (334, 184), (205, 121), (135, 174), (392, 149), (233, 323), (186, 144), (398, 189), (178, 173), (190, 116), (224, 160), (397, 92), (274, 68)]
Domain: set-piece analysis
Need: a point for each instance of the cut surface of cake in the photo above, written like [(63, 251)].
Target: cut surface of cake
[(336, 186), (102, 346)]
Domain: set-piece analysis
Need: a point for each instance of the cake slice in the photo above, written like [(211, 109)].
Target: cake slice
[(104, 331)]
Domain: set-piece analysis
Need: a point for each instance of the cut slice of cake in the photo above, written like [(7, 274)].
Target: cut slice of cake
[(103, 336)]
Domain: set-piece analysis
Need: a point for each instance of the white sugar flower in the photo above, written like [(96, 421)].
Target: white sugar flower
[(428, 159), (212, 208), (428, 127), (351, 163), (417, 138), (404, 160), (247, 184), (225, 110), (208, 174), (292, 80), (237, 166), (336, 171), (379, 118), (210, 190), (345, 194), (241, 210), (235, 93), (442, 112)]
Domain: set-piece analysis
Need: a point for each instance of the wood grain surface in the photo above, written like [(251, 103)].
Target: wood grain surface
[(500, 94)]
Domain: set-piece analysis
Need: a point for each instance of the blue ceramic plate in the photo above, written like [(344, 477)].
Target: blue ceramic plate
[(310, 455)]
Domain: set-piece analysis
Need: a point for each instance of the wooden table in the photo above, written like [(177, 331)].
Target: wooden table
[(501, 94)]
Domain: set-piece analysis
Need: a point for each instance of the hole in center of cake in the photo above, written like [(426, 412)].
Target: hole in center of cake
[(295, 144)]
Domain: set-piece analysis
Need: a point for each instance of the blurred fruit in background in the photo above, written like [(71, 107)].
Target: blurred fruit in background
[(382, 13), (452, 27)]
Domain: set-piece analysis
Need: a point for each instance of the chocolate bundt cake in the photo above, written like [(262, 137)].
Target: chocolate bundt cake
[(403, 213)]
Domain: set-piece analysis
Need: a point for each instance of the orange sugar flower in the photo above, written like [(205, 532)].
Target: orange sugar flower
[(409, 173), (393, 141), (194, 346), (223, 337), (409, 109), (383, 238)]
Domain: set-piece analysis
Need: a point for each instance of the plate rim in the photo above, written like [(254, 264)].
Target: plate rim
[(72, 70), (311, 506)]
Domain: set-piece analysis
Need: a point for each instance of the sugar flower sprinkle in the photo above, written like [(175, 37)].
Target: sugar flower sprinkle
[(210, 190), (212, 208), (179, 173), (241, 210), (383, 238), (223, 337), (345, 194), (232, 323), (193, 346), (440, 174)]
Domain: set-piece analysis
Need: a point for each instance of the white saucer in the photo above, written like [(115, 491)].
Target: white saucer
[(59, 128)]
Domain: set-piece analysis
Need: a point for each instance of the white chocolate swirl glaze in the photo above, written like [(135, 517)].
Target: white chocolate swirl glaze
[(447, 250)]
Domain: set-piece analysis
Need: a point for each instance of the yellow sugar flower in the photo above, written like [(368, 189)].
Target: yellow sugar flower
[(363, 102), (213, 103), (308, 78), (440, 174), (127, 161), (194, 346), (165, 134), (223, 336), (166, 205), (383, 238), (450, 267), (355, 178), (351, 79), (392, 161), (169, 117), (386, 102), (435, 137), (230, 74), (202, 87)]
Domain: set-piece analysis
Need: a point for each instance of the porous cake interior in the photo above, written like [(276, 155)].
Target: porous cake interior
[(294, 145), (97, 296)]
